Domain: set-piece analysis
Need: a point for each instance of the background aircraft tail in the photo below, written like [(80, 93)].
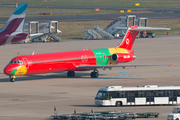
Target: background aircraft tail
[(131, 34), (16, 21)]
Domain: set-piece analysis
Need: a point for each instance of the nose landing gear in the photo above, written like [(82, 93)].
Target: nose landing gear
[(94, 74), (12, 78)]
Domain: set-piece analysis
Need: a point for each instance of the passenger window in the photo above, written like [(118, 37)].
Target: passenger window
[(157, 93), (132, 94), (122, 94), (178, 94), (161, 93), (114, 94)]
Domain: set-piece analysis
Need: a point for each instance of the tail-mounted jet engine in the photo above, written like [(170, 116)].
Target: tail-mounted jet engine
[(120, 58)]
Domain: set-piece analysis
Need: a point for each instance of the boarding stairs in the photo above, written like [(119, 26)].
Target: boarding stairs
[(92, 34), (56, 38), (122, 21), (104, 33), (118, 22)]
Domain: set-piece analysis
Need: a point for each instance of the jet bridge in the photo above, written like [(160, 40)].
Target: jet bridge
[(142, 22), (46, 32)]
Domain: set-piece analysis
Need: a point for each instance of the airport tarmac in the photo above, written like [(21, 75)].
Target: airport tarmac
[(34, 97)]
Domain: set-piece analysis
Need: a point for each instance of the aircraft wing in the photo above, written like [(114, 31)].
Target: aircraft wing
[(38, 35), (110, 66)]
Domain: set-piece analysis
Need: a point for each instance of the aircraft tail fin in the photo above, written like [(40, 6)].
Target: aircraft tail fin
[(16, 21), (131, 34)]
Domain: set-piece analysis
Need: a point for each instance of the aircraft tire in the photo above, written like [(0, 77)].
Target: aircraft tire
[(94, 74), (12, 80), (70, 73)]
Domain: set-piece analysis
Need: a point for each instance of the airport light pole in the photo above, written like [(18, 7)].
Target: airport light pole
[(16, 3)]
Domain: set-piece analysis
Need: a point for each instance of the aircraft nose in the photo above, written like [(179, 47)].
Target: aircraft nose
[(9, 71)]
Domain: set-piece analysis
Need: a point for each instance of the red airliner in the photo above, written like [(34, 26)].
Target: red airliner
[(77, 60)]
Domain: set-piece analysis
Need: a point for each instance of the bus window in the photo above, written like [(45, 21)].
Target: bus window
[(122, 94), (156, 93), (152, 93), (100, 95), (132, 94), (141, 94), (161, 93), (107, 96), (114, 94), (166, 93), (178, 93)]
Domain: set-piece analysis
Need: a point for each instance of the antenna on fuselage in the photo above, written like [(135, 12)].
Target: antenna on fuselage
[(33, 53)]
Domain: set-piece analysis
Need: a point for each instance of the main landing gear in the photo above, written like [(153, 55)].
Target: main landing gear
[(70, 73), (95, 73), (12, 78)]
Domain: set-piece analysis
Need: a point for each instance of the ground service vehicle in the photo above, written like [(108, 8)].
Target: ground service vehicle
[(146, 34), (175, 115), (140, 95)]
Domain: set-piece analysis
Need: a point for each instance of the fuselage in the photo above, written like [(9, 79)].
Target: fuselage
[(62, 61)]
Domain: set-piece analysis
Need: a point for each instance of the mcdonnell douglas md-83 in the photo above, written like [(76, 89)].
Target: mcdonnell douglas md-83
[(77, 60), (12, 31)]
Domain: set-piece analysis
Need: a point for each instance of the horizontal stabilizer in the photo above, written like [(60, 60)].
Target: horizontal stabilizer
[(142, 28)]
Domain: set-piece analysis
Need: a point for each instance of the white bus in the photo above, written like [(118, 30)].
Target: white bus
[(140, 95)]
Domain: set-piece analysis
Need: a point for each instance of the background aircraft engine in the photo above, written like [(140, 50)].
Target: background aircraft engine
[(121, 58)]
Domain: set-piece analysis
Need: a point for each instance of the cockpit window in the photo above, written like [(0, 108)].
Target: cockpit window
[(17, 61)]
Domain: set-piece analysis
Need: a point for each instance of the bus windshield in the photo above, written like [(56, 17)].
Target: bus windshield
[(100, 95), (176, 110)]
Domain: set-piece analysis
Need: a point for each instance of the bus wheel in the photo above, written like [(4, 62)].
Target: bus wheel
[(118, 103)]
